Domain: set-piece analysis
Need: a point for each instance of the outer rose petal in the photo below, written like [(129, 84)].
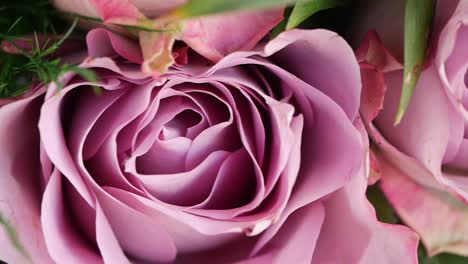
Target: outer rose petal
[(117, 10), (157, 52), (297, 236), (103, 43), (105, 238), (62, 240), (19, 202), (451, 60), (374, 60), (417, 135), (410, 138), (149, 8), (375, 172), (373, 52), (429, 136), (81, 7), (436, 215), (216, 36), (317, 59), (361, 238), (373, 91), (213, 37)]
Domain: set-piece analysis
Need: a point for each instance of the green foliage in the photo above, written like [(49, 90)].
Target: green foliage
[(308, 14), (306, 8), (444, 258), (19, 72), (383, 208), (418, 23), (196, 8), (282, 25), (18, 18)]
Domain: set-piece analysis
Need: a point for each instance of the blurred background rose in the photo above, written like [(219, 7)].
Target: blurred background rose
[(424, 158)]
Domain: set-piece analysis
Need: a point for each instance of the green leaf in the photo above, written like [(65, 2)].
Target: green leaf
[(282, 25), (196, 8), (306, 8), (15, 23), (279, 28), (444, 258), (86, 74), (418, 24), (383, 208)]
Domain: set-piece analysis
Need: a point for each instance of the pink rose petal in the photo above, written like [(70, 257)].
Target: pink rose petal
[(437, 216), (19, 195), (117, 10), (216, 36), (362, 238)]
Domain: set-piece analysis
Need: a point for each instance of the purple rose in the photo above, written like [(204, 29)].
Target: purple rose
[(260, 158)]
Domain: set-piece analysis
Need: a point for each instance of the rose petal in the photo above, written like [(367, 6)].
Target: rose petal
[(288, 178), (216, 36), (63, 241), (103, 43), (189, 232), (187, 188), (117, 10), (372, 241), (81, 7), (373, 91), (281, 117), (88, 8), (53, 138), (129, 104), (320, 113), (437, 216), (375, 60), (234, 174), (166, 157), (296, 240), (20, 181), (106, 240), (374, 170), (250, 127), (318, 59), (139, 236), (416, 136), (373, 51), (157, 52)]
